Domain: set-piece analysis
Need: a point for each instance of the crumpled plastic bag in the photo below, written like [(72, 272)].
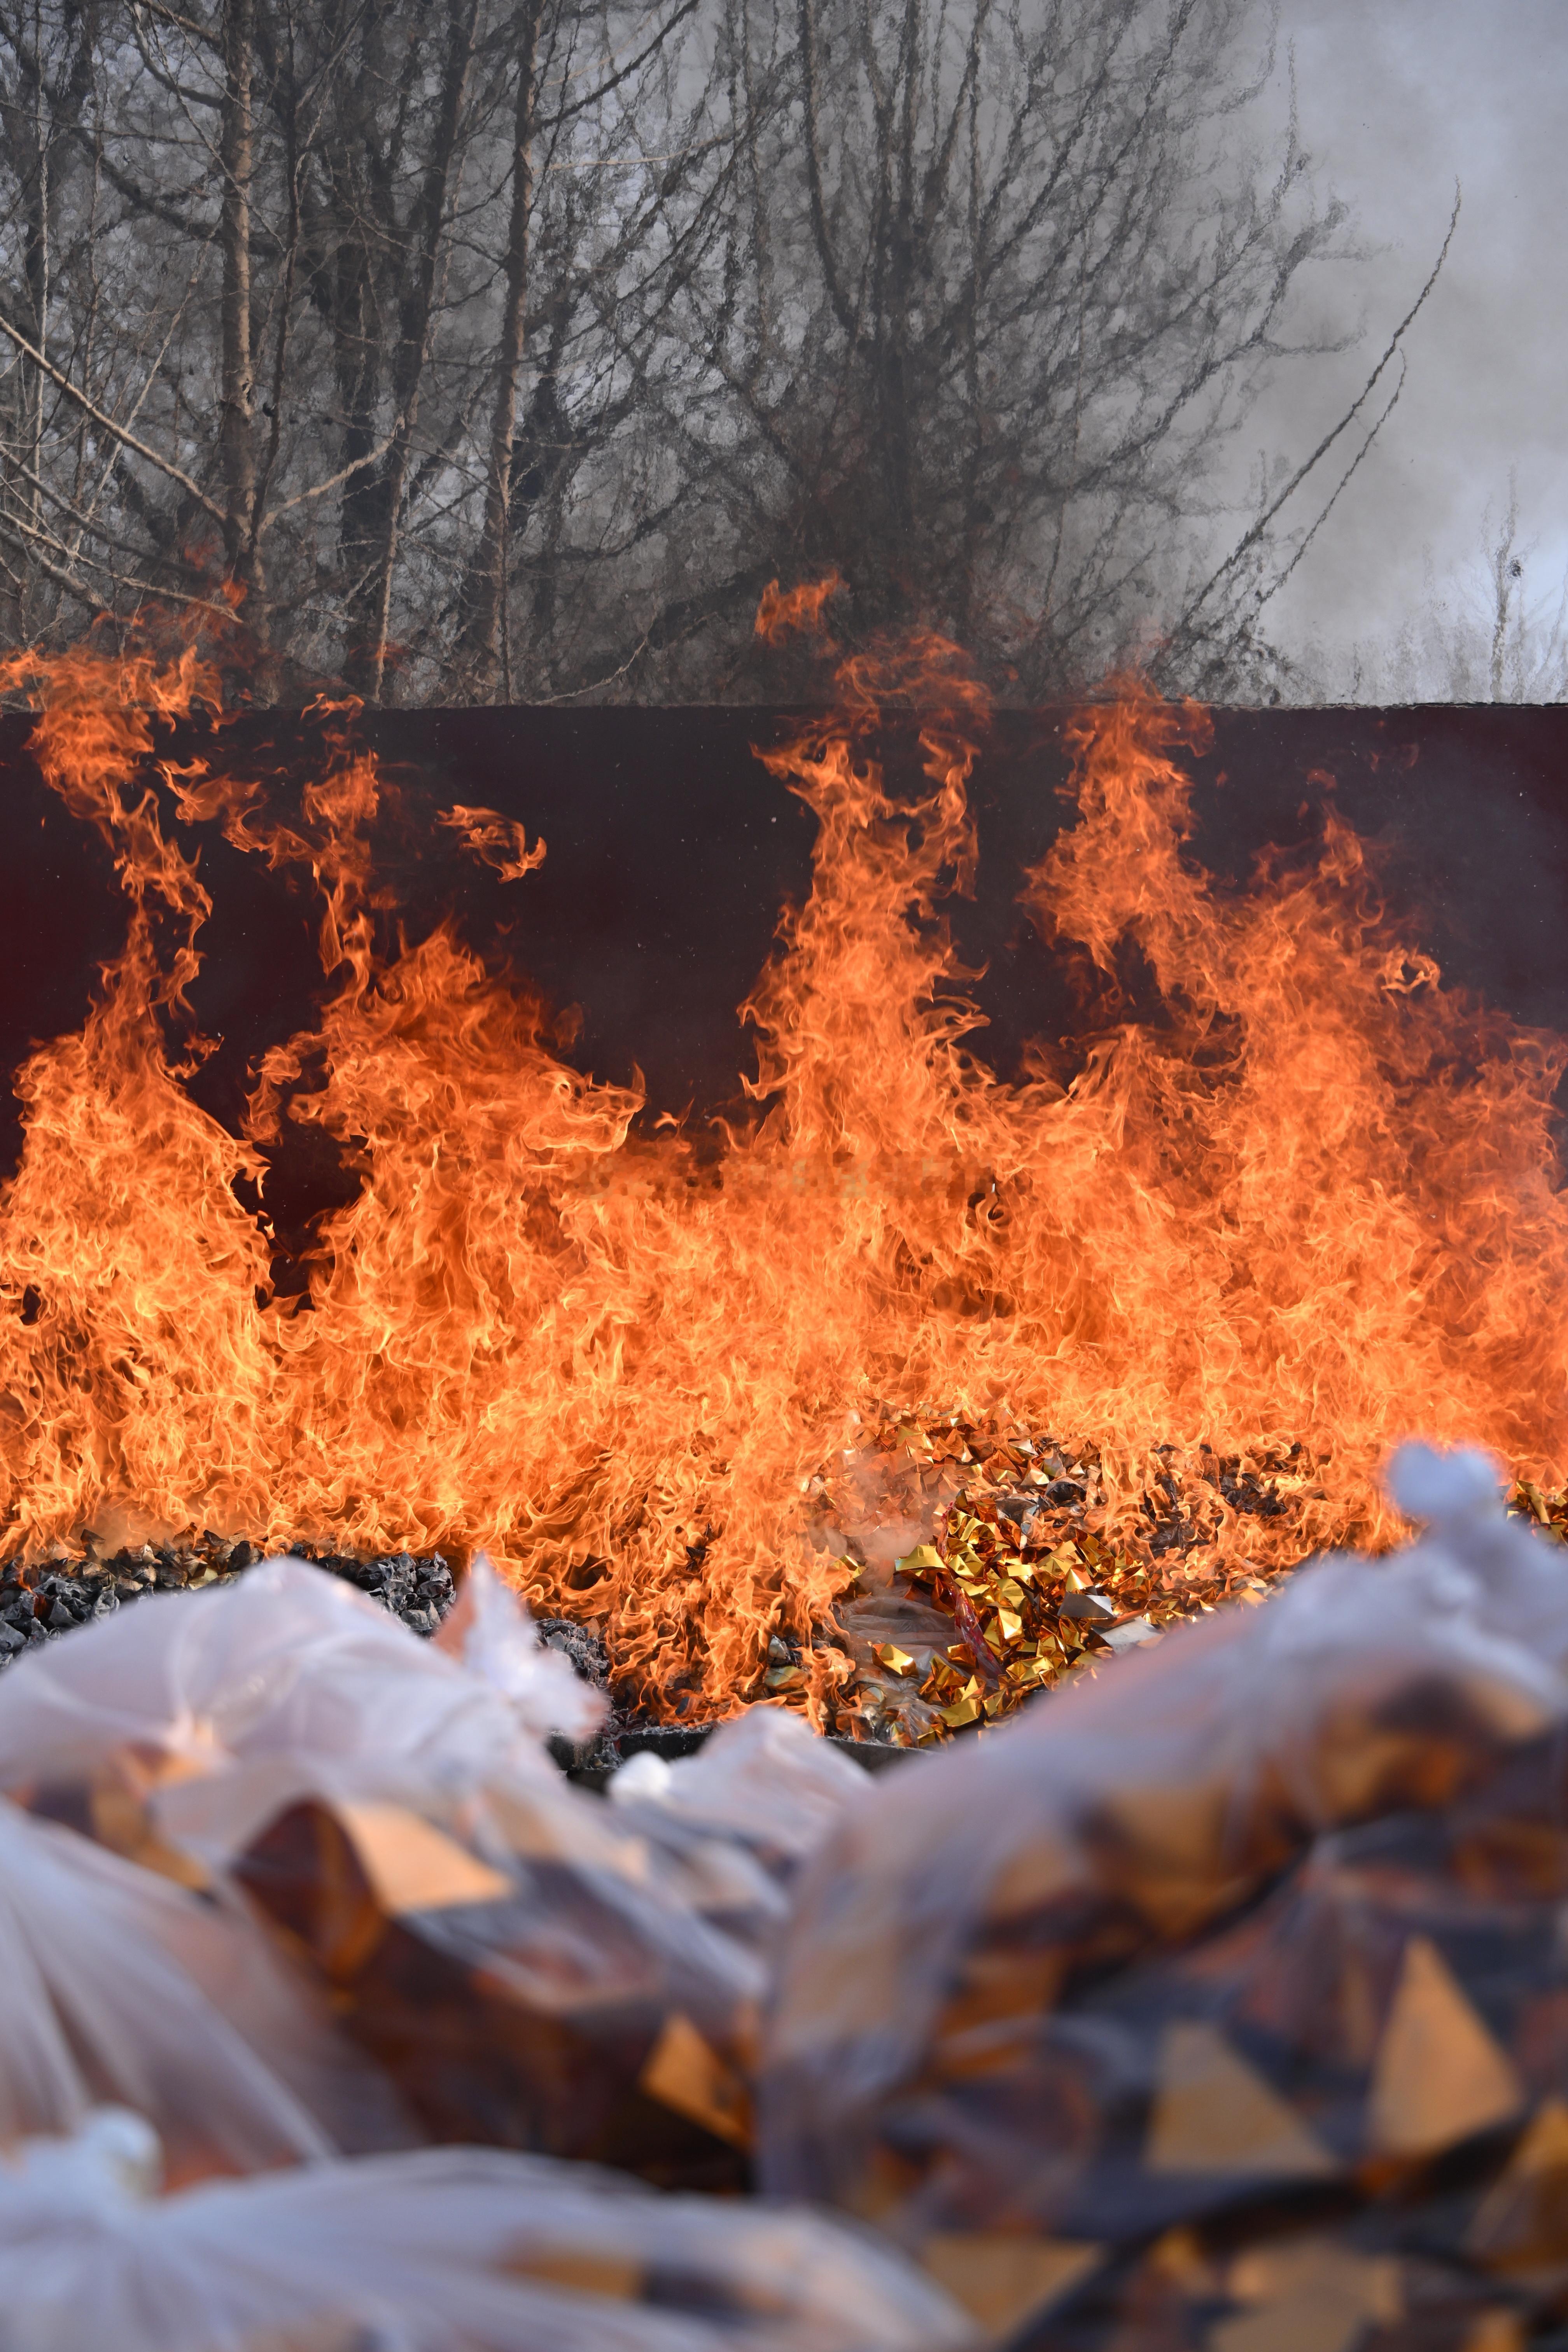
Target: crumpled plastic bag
[(732, 1825), (1342, 2107), (494, 1636), (764, 1777), (516, 1966), (1267, 1918), (119, 1985), (220, 1705), (447, 2250), (558, 2004)]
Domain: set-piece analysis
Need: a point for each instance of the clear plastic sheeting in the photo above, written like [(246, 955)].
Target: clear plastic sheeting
[(447, 2250), (492, 1633), (224, 1706), (764, 1779), (730, 1827), (505, 1957), (1260, 1928), (559, 2004), (119, 1985)]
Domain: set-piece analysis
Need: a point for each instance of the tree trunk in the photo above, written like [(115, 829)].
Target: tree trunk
[(486, 635), (414, 315), (236, 428)]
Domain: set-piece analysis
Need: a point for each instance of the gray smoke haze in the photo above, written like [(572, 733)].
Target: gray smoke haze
[(1398, 99), (468, 449)]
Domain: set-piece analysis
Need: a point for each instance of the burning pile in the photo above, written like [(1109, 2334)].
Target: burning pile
[(1030, 1580), (1282, 1196)]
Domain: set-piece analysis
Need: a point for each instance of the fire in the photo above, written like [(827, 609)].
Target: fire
[(1309, 1200)]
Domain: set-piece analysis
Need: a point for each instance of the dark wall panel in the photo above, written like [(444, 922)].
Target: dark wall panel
[(671, 851)]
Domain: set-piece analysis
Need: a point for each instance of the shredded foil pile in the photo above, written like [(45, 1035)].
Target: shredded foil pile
[(1027, 1576)]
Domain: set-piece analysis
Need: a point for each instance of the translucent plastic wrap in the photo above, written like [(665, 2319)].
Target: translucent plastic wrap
[(449, 2250), (484, 1935), (287, 1682), (493, 1635), (119, 1985), (731, 1825), (556, 2004), (1267, 1918), (764, 1777)]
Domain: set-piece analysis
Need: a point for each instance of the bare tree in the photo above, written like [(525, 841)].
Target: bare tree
[(485, 347), (485, 638), (267, 277), (999, 284)]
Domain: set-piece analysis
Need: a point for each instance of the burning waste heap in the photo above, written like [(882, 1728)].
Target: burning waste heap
[(1217, 2000), (895, 1396)]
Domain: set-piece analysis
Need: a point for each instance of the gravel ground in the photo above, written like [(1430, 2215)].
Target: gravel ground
[(40, 1600)]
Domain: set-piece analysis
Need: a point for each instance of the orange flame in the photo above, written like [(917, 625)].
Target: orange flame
[(495, 841), (1316, 1200), (781, 610)]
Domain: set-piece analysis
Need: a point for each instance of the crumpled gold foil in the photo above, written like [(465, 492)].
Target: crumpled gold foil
[(1023, 1559), (1040, 1579)]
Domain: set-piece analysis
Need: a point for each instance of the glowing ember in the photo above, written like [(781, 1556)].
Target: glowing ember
[(1310, 1205)]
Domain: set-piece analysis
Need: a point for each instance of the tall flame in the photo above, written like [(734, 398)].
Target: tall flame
[(1313, 1200)]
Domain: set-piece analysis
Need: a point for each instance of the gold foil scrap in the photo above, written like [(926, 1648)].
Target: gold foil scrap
[(1001, 2280), (1440, 2076), (1214, 2113), (1309, 2296), (897, 1661), (685, 2074), (1522, 2223), (411, 1866), (584, 2270)]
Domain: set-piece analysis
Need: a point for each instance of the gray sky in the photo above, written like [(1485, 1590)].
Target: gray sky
[(1397, 100)]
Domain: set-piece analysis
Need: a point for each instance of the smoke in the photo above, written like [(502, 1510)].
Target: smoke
[(1396, 104)]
